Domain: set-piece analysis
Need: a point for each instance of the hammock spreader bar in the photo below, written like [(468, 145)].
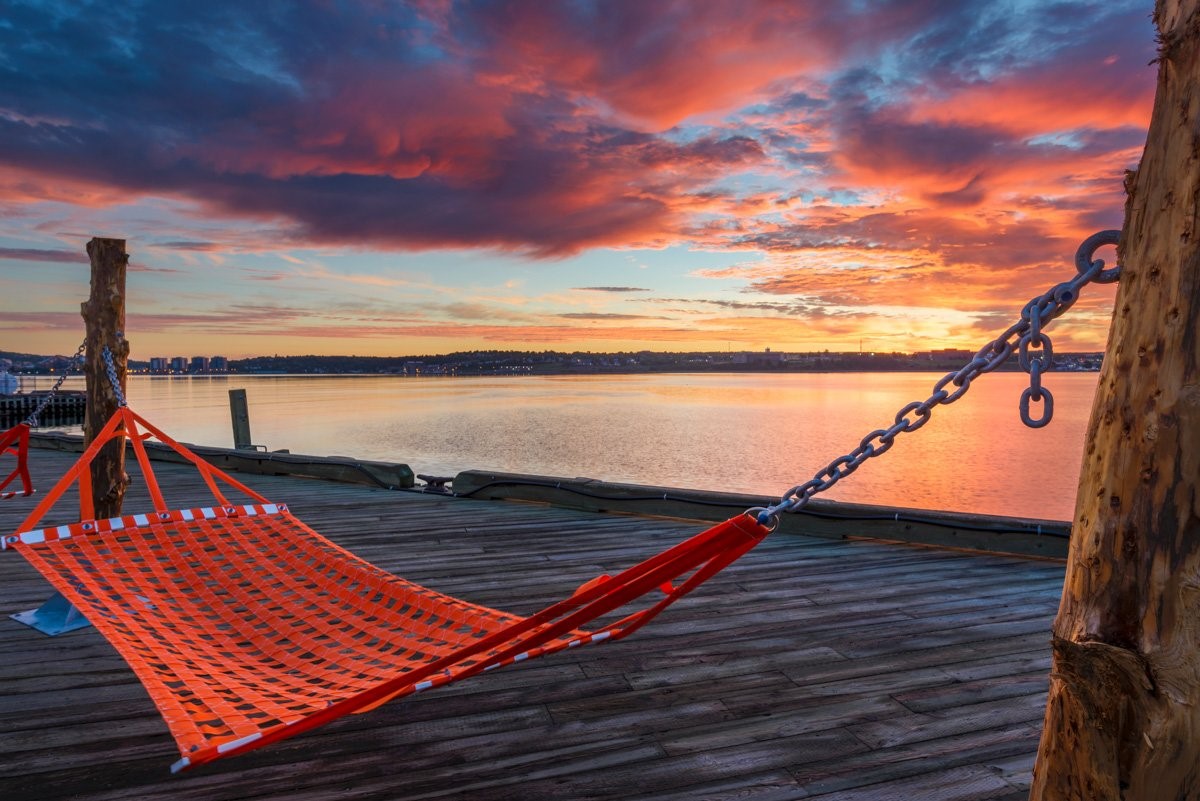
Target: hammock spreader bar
[(247, 627), (15, 443)]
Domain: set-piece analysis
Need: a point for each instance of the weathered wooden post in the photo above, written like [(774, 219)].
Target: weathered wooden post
[(104, 322), (239, 413), (1123, 715)]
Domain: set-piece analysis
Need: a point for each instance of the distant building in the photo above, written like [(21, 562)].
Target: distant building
[(159, 365), (179, 364), (767, 357), (219, 364), (199, 364)]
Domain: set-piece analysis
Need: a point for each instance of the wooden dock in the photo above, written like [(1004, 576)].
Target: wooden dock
[(62, 409), (812, 669)]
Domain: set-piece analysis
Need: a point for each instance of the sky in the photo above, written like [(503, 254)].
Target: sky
[(388, 178)]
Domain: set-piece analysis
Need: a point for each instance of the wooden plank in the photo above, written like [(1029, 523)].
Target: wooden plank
[(813, 667), (872, 768), (973, 783)]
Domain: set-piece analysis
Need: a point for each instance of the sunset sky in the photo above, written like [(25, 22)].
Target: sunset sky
[(394, 178)]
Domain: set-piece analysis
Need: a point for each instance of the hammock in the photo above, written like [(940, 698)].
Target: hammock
[(247, 627), (15, 442)]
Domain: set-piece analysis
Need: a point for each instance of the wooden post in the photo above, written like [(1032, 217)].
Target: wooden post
[(239, 412), (104, 321), (1123, 714)]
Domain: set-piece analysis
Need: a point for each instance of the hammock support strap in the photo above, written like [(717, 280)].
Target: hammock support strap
[(247, 627)]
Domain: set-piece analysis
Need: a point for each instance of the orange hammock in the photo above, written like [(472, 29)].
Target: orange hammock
[(15, 442), (247, 627)]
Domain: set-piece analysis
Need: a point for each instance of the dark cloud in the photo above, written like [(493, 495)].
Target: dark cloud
[(794, 308), (534, 127), (959, 242), (33, 254), (970, 194), (610, 289), (69, 257), (190, 245), (605, 316)]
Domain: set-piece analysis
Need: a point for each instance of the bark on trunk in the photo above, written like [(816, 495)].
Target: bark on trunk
[(1123, 715), (104, 321)]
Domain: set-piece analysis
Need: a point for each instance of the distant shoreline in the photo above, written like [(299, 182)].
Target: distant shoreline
[(515, 374), (501, 363)]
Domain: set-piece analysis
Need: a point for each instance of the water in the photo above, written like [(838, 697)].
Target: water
[(757, 433)]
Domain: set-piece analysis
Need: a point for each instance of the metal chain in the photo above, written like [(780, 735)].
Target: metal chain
[(1035, 354), (111, 369), (75, 362)]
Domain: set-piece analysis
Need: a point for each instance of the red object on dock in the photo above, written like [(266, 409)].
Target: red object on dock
[(15, 442)]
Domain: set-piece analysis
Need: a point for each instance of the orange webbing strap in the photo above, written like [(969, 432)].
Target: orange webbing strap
[(126, 424), (15, 442)]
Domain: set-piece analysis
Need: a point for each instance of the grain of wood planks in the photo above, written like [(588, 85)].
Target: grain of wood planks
[(813, 668)]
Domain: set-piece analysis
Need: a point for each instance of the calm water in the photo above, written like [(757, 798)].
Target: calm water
[(746, 432)]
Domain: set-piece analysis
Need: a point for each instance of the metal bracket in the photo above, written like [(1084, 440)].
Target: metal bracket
[(436, 483), (56, 616)]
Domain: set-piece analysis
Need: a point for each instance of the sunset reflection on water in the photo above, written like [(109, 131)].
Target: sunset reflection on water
[(757, 433)]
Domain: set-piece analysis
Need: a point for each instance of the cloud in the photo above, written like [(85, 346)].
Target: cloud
[(547, 129), (392, 143), (35, 254), (942, 155), (604, 316), (610, 289), (204, 247), (68, 257)]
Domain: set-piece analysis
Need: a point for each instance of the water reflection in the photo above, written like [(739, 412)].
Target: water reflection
[(758, 433)]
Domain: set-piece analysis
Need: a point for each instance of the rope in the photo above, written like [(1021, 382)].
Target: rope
[(1035, 354)]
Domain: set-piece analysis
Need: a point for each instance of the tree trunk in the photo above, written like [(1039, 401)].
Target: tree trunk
[(1123, 714), (104, 321)]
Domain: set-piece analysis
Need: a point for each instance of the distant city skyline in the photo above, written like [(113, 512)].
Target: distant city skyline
[(420, 178)]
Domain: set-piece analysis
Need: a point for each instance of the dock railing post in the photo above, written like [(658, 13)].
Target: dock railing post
[(104, 322), (1123, 713)]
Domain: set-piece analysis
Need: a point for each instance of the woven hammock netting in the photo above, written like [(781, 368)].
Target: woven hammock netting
[(246, 626)]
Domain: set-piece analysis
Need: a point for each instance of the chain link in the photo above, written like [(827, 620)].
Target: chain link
[(111, 368), (75, 362), (1035, 354)]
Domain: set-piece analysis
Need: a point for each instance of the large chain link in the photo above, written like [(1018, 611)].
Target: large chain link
[(75, 362), (1035, 354)]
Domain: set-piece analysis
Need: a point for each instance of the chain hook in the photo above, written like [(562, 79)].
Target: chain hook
[(1083, 257)]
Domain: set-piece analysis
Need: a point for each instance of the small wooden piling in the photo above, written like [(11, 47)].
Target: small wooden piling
[(239, 413), (104, 321)]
